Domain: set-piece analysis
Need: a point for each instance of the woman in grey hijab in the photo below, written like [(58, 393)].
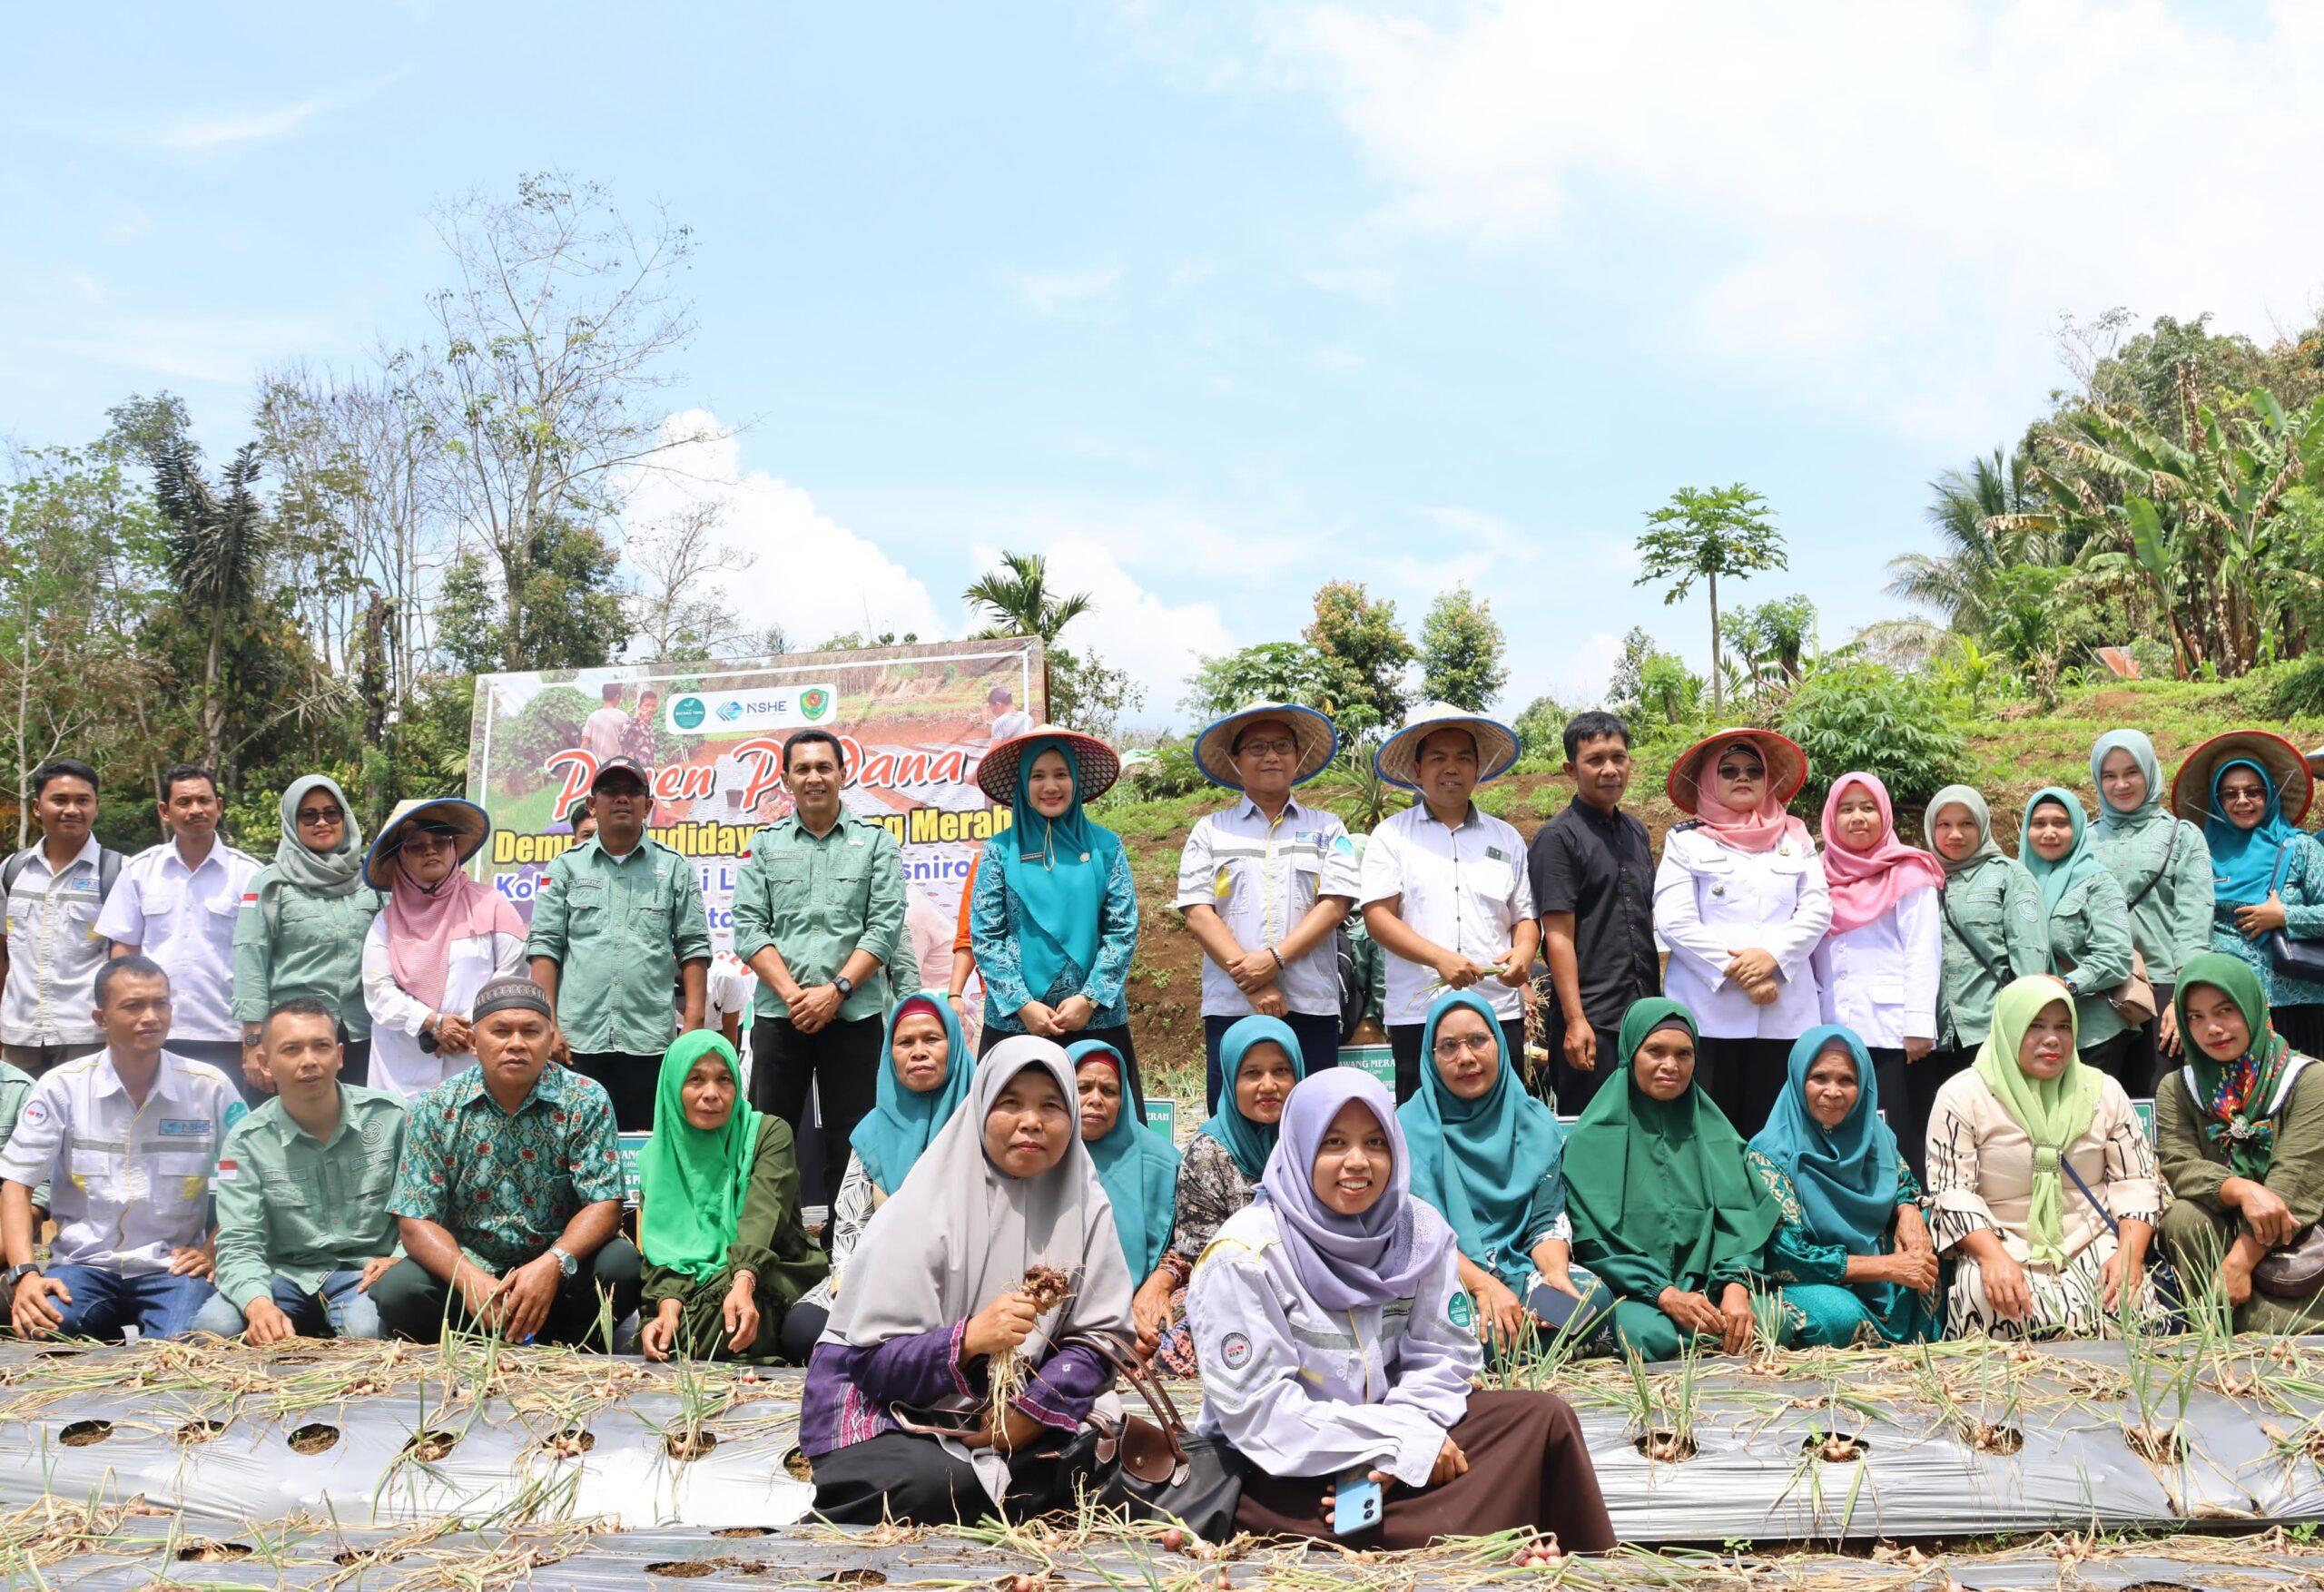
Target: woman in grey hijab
[(303, 920), (946, 1283)]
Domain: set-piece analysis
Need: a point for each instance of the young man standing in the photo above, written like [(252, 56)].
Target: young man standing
[(605, 733), (819, 916), (302, 1188), (56, 891), (1445, 892), (508, 1196), (1265, 884), (126, 1140), (1592, 869), (618, 922), (177, 902)]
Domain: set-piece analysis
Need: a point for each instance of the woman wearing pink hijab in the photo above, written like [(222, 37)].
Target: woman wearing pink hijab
[(1879, 968), (442, 938)]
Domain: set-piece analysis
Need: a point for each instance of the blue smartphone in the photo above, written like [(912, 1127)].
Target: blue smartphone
[(1356, 1505)]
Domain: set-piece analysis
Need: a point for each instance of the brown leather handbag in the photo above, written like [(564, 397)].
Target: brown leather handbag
[(2294, 1270)]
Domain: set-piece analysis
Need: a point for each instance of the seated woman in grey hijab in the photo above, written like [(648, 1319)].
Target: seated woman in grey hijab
[(897, 1418)]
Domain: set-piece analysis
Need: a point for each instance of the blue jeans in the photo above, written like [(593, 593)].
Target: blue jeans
[(1319, 1047), (156, 1304), (334, 1310)]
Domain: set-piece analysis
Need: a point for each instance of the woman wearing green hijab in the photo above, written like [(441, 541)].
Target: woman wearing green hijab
[(2239, 1132), (726, 1256), (2164, 869), (2087, 921), (1665, 1212), (303, 920), (2036, 1253)]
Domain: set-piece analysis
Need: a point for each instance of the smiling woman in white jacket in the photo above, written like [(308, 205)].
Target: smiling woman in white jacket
[(1742, 903), (442, 938)]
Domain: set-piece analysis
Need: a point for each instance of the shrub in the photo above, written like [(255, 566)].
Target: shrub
[(2292, 691), (1869, 718)]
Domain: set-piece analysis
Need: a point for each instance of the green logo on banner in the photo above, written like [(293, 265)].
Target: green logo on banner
[(1460, 1311), (815, 702), (686, 713)]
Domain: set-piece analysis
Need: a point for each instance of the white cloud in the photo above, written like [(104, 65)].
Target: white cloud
[(1086, 294), (1881, 204), (1369, 283), (200, 134), (812, 576)]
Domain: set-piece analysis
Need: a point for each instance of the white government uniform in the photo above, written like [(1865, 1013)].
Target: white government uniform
[(1711, 900), (1882, 980), (127, 1184), (185, 919), (1464, 888), (1262, 876), (398, 1063)]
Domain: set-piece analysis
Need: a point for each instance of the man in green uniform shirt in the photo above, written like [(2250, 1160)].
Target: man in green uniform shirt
[(301, 1193), (619, 926)]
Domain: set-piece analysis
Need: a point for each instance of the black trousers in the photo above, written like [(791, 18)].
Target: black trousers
[(355, 1059), (802, 1327), (412, 1299), (1404, 1043), (1566, 1088), (632, 1079), (1745, 1077), (842, 1060), (2118, 1059), (1911, 1099), (911, 1481), (2303, 1027), (1117, 1037), (2139, 1060)]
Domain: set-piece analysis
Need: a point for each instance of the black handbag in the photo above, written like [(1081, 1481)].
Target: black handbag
[(2295, 958), (2294, 1270), (1155, 1469)]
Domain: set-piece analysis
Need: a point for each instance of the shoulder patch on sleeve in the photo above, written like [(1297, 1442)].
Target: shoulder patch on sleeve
[(1686, 826)]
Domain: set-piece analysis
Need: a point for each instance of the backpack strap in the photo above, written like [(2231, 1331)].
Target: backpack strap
[(108, 869), (14, 869)]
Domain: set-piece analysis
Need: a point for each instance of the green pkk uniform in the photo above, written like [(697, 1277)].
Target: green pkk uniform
[(816, 902), (1997, 901), (2088, 930), (618, 931), (16, 1083), (303, 919), (2167, 858), (288, 1205), (2276, 1096)]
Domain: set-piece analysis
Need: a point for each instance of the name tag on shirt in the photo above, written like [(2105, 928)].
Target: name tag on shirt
[(184, 1127), (1496, 853)]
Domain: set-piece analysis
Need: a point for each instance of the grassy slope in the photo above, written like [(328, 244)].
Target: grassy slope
[(2015, 756)]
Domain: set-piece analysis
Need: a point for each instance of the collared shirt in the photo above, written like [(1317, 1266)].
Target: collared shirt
[(295, 1206), (1463, 888), (127, 1183), (1882, 980), (1711, 900), (817, 900), (619, 927), (1600, 867), (1999, 903), (504, 1184), (54, 950), (183, 917), (314, 947), (1261, 875)]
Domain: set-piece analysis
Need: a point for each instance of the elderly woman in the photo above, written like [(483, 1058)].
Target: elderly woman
[(1852, 1252), (2087, 923), (2159, 861), (1486, 1156), (442, 938), (1335, 1344), (1665, 1212), (1743, 904), (304, 919), (897, 1418), (2043, 1182), (2240, 1133), (726, 1256), (1140, 1172), (2267, 872), (1054, 918)]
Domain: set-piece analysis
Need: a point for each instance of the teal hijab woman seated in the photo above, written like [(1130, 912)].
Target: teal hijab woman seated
[(726, 1256), (1488, 1156), (1665, 1212), (1852, 1254), (1140, 1172)]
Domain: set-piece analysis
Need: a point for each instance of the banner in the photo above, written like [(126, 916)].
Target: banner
[(914, 721)]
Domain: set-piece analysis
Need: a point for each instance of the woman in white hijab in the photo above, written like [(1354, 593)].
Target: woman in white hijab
[(895, 1419)]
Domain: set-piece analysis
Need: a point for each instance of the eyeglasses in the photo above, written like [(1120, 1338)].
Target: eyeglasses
[(317, 819), (1474, 1045), (1277, 748)]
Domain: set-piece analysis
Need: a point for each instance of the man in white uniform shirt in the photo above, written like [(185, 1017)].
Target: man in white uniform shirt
[(176, 902), (127, 1140), (1446, 894), (1265, 884)]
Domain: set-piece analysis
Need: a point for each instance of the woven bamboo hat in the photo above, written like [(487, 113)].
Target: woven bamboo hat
[(1398, 761), (1094, 766), (1786, 766), (1215, 747), (2286, 766)]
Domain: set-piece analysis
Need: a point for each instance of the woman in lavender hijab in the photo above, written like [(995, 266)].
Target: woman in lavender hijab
[(1335, 1340)]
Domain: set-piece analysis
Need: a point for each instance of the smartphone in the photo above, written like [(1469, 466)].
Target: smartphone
[(1356, 1505)]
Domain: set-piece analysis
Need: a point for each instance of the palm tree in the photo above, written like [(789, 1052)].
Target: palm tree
[(218, 545), (1958, 583), (1017, 599)]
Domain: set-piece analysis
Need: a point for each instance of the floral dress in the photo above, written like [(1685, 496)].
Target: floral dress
[(1211, 1188), (1825, 1308)]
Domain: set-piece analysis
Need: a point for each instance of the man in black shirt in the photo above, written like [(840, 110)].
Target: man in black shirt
[(1594, 885)]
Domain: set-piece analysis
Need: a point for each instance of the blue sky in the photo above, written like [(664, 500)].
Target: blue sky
[(1212, 303)]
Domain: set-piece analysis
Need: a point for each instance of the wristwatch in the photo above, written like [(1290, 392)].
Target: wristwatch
[(565, 1260), (18, 1274), (844, 984)]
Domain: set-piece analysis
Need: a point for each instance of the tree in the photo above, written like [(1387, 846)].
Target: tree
[(1966, 509), (1015, 600), (679, 612), (1773, 639), (1461, 651), (1625, 682), (1369, 649), (1728, 530), (1275, 671), (1088, 696), (551, 341), (1541, 728), (218, 540)]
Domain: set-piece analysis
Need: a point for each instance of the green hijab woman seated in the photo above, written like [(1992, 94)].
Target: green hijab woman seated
[(726, 1256), (2240, 1132), (1665, 1212)]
